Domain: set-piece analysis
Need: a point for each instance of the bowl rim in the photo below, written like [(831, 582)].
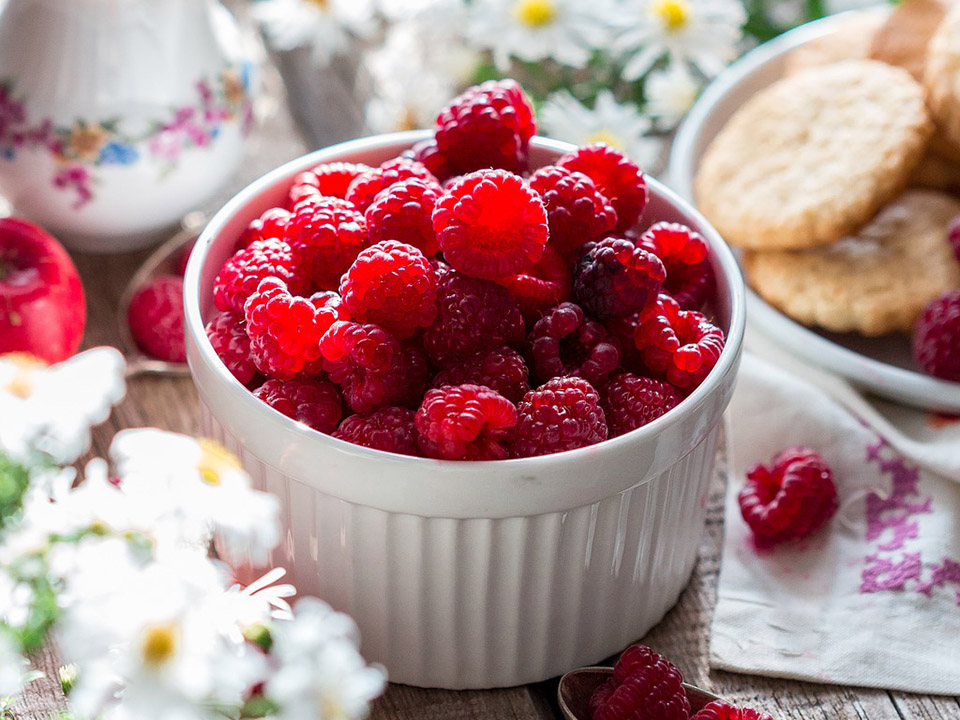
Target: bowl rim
[(726, 364)]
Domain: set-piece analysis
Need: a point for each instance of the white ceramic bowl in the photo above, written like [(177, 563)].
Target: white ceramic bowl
[(884, 365), (478, 574)]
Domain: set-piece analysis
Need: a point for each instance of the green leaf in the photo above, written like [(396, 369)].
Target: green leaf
[(14, 480)]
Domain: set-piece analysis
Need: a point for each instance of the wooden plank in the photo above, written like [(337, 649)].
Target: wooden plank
[(918, 707)]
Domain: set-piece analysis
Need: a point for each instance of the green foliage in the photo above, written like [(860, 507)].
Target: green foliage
[(14, 479)]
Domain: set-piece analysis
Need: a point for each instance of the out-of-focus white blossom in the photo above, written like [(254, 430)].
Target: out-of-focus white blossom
[(326, 26), (670, 93)]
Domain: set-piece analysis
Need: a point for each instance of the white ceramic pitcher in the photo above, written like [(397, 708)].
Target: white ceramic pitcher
[(118, 116)]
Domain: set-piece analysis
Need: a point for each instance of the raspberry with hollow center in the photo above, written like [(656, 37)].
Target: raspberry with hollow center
[(721, 710), (155, 318), (577, 212), (326, 236), (271, 224), (680, 345), (241, 274), (315, 403), (564, 343), (391, 284), (545, 285), (488, 126), (328, 179), (404, 212), (630, 401), (228, 335), (390, 429), (285, 330), (490, 224), (690, 278), (472, 315), (615, 278), (617, 177), (562, 414), (644, 685), (464, 422), (501, 369), (936, 337), (789, 500), (365, 187)]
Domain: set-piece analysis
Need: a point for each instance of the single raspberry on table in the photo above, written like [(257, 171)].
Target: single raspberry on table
[(490, 224), (472, 315), (464, 422), (936, 337), (488, 126), (722, 710), (240, 274), (365, 187), (690, 278), (155, 318), (644, 685), (630, 401), (390, 428), (329, 179), (427, 152), (547, 284), (562, 414), (315, 403), (228, 335), (617, 177), (564, 342), (790, 499), (391, 284), (577, 212), (502, 369), (285, 330), (615, 278), (679, 345), (271, 224), (326, 236), (404, 212)]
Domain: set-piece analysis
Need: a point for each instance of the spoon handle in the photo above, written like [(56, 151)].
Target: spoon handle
[(140, 365)]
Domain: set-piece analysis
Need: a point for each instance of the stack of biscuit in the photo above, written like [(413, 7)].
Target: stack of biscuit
[(839, 181)]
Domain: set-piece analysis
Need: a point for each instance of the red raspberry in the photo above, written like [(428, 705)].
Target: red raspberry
[(327, 237), (936, 337), (271, 224), (403, 212), (490, 224), (564, 343), (684, 254), (680, 345), (615, 278), (392, 285), (329, 179), (616, 176), (472, 315), (631, 401), (436, 162), (501, 369), (644, 685), (155, 317), (545, 285), (488, 126), (228, 335), (464, 422), (621, 332), (577, 212), (390, 428), (720, 710), (364, 188), (562, 414), (313, 402), (240, 275), (791, 499), (953, 235), (285, 330)]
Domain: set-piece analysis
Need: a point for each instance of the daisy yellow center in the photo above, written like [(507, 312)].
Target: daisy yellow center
[(159, 644), (25, 366), (534, 13), (322, 4), (674, 14), (214, 461), (605, 136)]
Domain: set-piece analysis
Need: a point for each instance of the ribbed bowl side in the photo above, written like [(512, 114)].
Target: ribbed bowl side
[(472, 603)]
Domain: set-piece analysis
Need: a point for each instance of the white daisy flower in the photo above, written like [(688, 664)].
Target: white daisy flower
[(567, 31), (619, 125), (327, 26), (704, 33), (670, 93)]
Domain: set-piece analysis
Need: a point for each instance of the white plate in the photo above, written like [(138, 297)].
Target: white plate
[(880, 365)]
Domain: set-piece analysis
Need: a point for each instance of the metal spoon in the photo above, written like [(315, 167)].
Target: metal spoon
[(161, 261), (576, 687)]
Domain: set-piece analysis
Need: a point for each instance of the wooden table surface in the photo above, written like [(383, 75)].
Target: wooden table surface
[(682, 636)]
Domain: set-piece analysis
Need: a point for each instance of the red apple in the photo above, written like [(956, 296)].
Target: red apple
[(43, 310)]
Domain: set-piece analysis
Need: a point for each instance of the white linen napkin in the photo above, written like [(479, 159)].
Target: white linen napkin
[(872, 599)]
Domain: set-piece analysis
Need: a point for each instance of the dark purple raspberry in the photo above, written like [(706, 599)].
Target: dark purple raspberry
[(936, 337), (501, 369), (564, 343), (464, 422), (614, 278), (228, 335), (562, 414), (577, 212), (315, 403), (390, 429), (631, 401)]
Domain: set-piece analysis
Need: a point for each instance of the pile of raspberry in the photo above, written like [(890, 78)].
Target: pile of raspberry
[(452, 303)]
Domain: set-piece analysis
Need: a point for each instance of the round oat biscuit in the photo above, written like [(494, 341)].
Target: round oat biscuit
[(812, 157), (851, 39), (875, 282), (941, 76)]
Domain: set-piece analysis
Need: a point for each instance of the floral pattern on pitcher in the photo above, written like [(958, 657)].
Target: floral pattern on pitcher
[(82, 147)]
